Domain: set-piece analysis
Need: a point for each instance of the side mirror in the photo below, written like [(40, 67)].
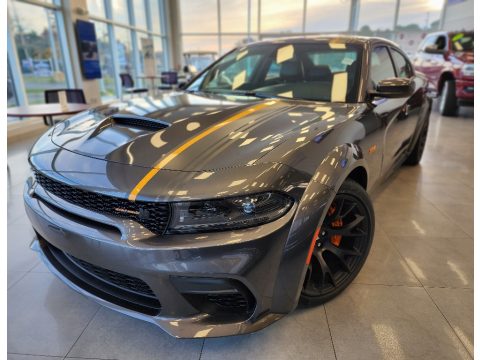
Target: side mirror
[(393, 88), (432, 49)]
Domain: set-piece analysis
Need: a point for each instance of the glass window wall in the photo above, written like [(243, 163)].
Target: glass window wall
[(139, 11), (107, 82), (120, 11), (11, 94), (38, 49), (327, 16)]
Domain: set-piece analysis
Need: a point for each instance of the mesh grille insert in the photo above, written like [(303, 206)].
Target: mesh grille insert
[(121, 280), (120, 289), (152, 215)]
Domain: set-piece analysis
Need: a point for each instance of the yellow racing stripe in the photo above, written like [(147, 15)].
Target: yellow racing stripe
[(174, 153)]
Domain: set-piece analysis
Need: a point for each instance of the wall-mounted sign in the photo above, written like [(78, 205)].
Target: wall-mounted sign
[(88, 49)]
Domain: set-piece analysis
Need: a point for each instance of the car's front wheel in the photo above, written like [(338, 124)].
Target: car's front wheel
[(342, 245), (448, 99)]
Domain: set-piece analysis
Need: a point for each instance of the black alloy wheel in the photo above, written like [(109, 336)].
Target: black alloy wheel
[(417, 152), (342, 245)]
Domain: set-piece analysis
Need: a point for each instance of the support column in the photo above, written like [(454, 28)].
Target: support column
[(441, 25), (395, 17), (354, 13), (174, 33), (72, 11)]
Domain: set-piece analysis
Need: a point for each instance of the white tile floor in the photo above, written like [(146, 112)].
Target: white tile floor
[(413, 299)]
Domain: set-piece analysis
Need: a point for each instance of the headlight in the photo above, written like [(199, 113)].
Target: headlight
[(467, 70), (227, 214)]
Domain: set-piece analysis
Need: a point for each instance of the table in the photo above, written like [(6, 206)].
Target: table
[(152, 78), (46, 111)]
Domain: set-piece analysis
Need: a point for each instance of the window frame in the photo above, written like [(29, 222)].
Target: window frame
[(372, 50), (411, 69), (423, 44)]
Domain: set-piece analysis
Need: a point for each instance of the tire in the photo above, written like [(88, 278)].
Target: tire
[(448, 99), (417, 151), (342, 246)]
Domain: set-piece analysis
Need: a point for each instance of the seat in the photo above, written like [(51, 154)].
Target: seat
[(319, 73), (351, 71), (74, 96), (169, 80), (128, 85), (291, 71)]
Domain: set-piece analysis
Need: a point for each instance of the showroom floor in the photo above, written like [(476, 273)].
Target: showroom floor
[(413, 299)]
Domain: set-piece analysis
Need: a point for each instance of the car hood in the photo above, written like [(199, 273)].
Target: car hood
[(203, 132)]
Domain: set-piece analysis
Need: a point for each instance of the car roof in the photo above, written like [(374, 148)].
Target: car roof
[(349, 39), (449, 32)]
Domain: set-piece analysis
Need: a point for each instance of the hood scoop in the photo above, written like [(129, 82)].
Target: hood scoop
[(131, 121)]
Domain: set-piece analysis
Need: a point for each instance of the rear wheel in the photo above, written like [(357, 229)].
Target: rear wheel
[(342, 245), (417, 151), (448, 99)]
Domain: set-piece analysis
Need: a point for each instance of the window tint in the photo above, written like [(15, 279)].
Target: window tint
[(403, 66), (337, 62), (381, 65), (233, 74), (438, 42)]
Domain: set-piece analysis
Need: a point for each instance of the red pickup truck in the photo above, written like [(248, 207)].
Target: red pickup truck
[(446, 58)]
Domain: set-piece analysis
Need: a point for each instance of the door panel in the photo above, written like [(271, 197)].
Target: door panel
[(393, 113), (409, 116)]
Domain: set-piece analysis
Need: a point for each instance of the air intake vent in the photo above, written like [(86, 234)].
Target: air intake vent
[(120, 289), (139, 122)]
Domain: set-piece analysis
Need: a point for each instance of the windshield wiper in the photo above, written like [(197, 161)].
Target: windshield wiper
[(198, 91), (252, 93), (258, 94)]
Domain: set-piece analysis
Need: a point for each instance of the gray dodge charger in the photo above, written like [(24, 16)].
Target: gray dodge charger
[(215, 209)]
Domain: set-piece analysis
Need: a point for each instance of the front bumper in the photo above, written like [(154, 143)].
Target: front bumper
[(465, 90), (248, 259)]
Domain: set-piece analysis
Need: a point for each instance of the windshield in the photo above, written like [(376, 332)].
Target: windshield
[(462, 41), (320, 71)]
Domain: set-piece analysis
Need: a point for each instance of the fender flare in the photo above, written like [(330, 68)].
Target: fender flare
[(312, 208)]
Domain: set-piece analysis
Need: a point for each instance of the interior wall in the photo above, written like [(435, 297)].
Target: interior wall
[(459, 15)]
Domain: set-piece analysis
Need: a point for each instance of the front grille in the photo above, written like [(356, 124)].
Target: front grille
[(152, 215), (121, 280), (120, 289)]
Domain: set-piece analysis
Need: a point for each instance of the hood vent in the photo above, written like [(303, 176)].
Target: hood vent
[(138, 122)]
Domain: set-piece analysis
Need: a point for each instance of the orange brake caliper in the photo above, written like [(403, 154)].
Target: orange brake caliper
[(335, 239)]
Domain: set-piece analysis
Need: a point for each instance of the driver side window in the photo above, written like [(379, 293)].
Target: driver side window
[(381, 66)]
